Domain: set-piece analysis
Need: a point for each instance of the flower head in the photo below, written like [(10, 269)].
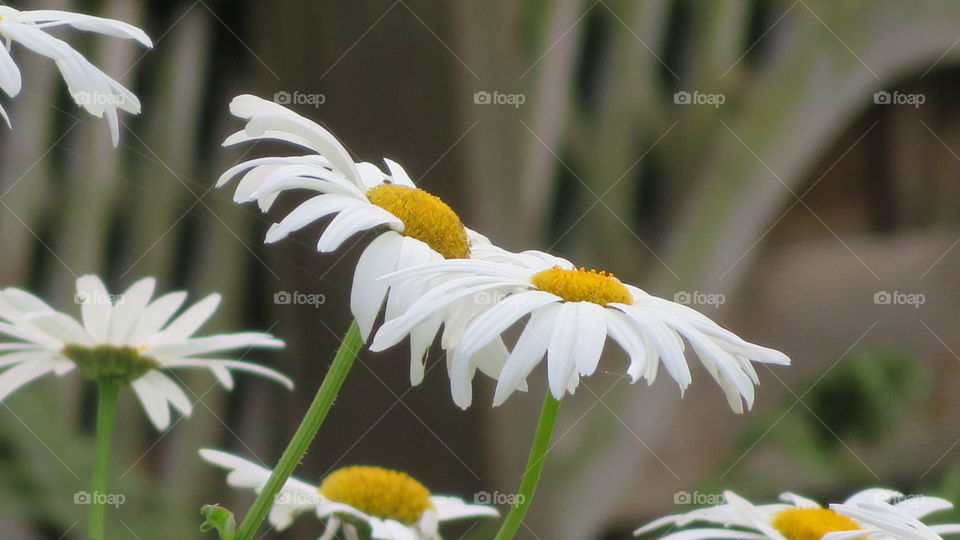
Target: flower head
[(388, 504), (130, 338), (571, 312), (90, 87), (875, 514), (414, 226)]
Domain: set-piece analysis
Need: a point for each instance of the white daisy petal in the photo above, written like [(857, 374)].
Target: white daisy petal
[(208, 344), (89, 23), (295, 497), (590, 337), (221, 368), (154, 402), (61, 328), (24, 373), (527, 353), (10, 80), (309, 211), (96, 307), (367, 296), (188, 322), (128, 309), (91, 88), (171, 391), (351, 221), (156, 316), (492, 322), (451, 508)]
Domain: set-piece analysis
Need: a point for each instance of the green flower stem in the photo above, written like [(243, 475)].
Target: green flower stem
[(109, 389), (531, 476), (309, 426)]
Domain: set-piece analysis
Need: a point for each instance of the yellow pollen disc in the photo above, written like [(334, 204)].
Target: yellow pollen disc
[(425, 217), (582, 285), (379, 492), (811, 523)]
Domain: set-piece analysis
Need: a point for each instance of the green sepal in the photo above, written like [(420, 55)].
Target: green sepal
[(219, 518)]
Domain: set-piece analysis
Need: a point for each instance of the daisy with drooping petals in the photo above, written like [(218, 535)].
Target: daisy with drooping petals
[(572, 312), (90, 87), (129, 338), (874, 514), (363, 501), (417, 227)]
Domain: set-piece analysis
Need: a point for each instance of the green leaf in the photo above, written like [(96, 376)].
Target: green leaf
[(219, 518)]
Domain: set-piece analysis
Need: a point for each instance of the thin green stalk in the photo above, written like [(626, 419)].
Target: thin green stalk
[(108, 390), (531, 476), (309, 426)]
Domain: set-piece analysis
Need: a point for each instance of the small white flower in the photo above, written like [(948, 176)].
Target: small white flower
[(572, 312), (874, 514), (389, 505), (415, 226), (90, 87), (127, 337)]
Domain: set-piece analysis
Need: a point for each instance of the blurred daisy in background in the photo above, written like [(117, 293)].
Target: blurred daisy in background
[(90, 87), (128, 337), (364, 501), (414, 226), (571, 312), (870, 514)]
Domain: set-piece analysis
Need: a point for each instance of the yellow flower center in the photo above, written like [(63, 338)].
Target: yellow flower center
[(425, 217), (811, 523), (378, 492), (582, 285)]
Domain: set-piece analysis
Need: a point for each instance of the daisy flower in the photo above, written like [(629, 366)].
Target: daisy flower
[(414, 226), (128, 337), (364, 501), (571, 312), (90, 87), (875, 514)]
